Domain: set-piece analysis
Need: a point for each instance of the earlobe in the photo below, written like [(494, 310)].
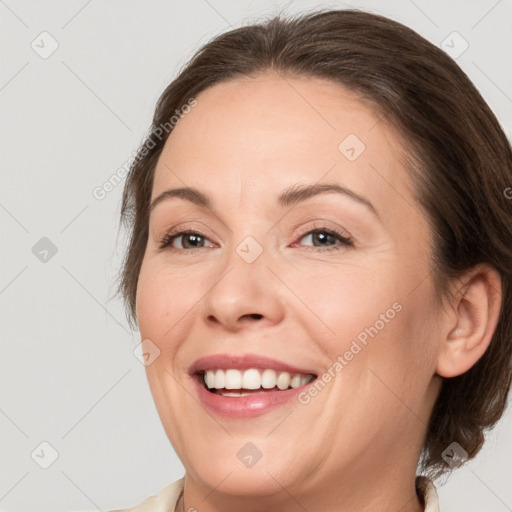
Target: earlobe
[(471, 322)]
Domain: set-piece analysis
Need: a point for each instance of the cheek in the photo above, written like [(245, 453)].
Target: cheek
[(158, 311), (397, 362), (163, 299), (371, 318), (345, 300)]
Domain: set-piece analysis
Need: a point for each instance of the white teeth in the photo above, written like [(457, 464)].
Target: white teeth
[(209, 379), (220, 379), (233, 379), (283, 381), (227, 393), (253, 378), (268, 379), (304, 379), (296, 381)]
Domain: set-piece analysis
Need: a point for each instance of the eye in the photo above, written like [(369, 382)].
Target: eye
[(322, 238), (325, 239), (190, 239)]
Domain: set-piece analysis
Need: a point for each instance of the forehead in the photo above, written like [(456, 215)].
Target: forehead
[(265, 133)]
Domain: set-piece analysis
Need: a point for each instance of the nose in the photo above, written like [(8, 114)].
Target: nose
[(244, 295)]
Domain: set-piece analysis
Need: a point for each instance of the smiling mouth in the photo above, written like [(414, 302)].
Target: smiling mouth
[(237, 383)]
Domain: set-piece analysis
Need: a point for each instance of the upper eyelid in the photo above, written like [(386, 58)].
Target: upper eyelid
[(335, 230), (324, 225)]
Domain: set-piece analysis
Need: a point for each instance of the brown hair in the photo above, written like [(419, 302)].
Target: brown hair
[(457, 153)]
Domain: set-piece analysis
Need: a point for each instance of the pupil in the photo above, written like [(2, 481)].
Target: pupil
[(194, 239), (322, 237)]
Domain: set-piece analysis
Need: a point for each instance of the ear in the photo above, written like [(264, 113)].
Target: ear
[(471, 321)]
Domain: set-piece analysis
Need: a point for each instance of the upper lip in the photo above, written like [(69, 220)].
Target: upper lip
[(243, 362)]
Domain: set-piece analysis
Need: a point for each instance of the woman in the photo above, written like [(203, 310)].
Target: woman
[(320, 257)]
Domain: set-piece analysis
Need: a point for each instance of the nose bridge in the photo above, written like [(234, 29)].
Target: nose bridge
[(250, 250)]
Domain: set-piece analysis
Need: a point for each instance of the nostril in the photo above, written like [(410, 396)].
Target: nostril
[(256, 316)]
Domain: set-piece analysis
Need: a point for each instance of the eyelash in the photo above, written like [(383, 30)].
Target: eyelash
[(346, 241)]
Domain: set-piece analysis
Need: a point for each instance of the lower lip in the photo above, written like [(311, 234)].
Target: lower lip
[(248, 406)]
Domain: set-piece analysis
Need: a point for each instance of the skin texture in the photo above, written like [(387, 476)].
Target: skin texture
[(355, 445)]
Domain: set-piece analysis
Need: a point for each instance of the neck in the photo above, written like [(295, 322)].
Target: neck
[(384, 494)]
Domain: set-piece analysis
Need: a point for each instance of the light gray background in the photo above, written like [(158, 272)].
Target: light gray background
[(68, 373)]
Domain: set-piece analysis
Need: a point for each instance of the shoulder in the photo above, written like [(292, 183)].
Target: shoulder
[(164, 501), (427, 494)]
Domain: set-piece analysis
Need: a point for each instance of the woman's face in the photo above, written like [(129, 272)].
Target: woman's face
[(269, 273)]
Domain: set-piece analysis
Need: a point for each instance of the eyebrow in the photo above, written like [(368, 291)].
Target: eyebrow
[(288, 197)]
